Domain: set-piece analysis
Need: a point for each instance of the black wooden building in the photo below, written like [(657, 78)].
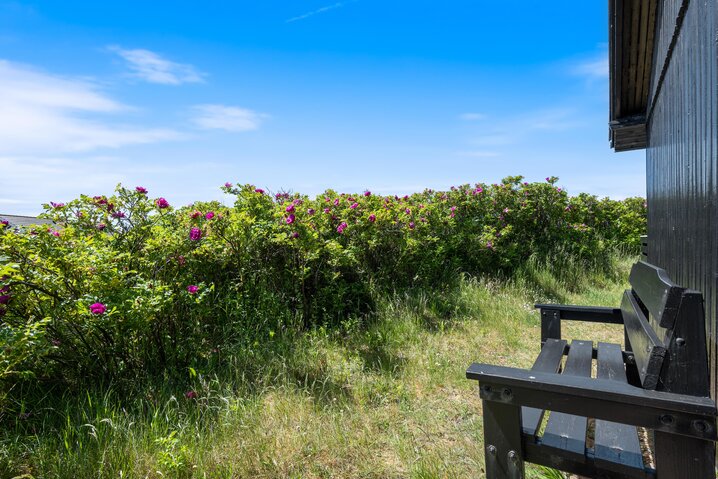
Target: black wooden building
[(664, 99)]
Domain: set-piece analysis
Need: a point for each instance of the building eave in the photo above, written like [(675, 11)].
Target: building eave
[(632, 25)]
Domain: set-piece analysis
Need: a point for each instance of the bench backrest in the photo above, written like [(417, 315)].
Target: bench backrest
[(665, 328)]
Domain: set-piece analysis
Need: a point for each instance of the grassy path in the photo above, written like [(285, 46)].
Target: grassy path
[(384, 400)]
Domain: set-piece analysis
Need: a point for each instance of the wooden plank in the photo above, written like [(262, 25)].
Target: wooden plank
[(632, 101), (502, 441), (650, 45), (616, 446), (566, 431), (598, 398), (648, 350), (686, 368), (587, 467), (550, 324), (687, 457), (615, 59), (598, 314), (625, 49), (548, 361), (660, 295), (641, 94)]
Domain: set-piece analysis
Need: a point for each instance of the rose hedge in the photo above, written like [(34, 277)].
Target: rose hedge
[(126, 284)]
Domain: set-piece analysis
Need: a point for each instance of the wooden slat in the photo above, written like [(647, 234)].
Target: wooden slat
[(548, 361), (598, 398), (597, 314), (660, 295), (615, 444), (566, 431), (625, 49), (650, 36), (502, 434), (648, 350), (641, 94), (632, 103)]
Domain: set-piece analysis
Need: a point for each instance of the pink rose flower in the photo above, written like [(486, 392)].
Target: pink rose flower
[(372, 218), (192, 289), (162, 203), (98, 308), (290, 219), (195, 234), (141, 190), (209, 215)]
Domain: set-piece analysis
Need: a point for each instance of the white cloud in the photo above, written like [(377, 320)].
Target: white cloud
[(555, 119), (45, 113), (478, 154), (472, 116), (596, 68), (153, 68), (318, 11), (230, 118)]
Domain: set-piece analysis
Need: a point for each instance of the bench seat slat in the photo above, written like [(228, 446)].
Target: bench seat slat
[(566, 431), (615, 444), (548, 361)]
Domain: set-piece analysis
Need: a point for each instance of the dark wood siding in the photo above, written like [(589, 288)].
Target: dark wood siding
[(682, 153)]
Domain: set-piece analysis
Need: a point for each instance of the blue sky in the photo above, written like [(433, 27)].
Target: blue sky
[(391, 96)]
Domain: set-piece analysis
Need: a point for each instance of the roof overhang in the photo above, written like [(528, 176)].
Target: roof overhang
[(632, 27)]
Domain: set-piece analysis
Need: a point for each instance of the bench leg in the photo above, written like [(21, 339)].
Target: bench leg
[(680, 457), (550, 324), (502, 441)]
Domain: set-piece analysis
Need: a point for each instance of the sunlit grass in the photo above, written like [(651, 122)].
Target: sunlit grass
[(383, 396)]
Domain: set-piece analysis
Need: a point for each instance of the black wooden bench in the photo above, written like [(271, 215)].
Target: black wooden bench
[(660, 382)]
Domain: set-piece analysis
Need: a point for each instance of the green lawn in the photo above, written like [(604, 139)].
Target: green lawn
[(383, 397)]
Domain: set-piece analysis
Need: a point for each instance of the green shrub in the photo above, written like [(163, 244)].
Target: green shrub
[(126, 286)]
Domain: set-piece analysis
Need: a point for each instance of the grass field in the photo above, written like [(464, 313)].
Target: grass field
[(383, 397)]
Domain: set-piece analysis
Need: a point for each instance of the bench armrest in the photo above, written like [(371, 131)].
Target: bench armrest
[(552, 314), (597, 398), (594, 314)]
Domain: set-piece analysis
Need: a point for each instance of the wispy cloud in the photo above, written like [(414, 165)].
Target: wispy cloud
[(479, 154), (229, 118), (472, 116), (520, 128), (41, 113), (595, 68), (324, 9), (553, 119), (153, 68)]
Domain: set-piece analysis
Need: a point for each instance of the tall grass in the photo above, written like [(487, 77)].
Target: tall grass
[(382, 395)]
